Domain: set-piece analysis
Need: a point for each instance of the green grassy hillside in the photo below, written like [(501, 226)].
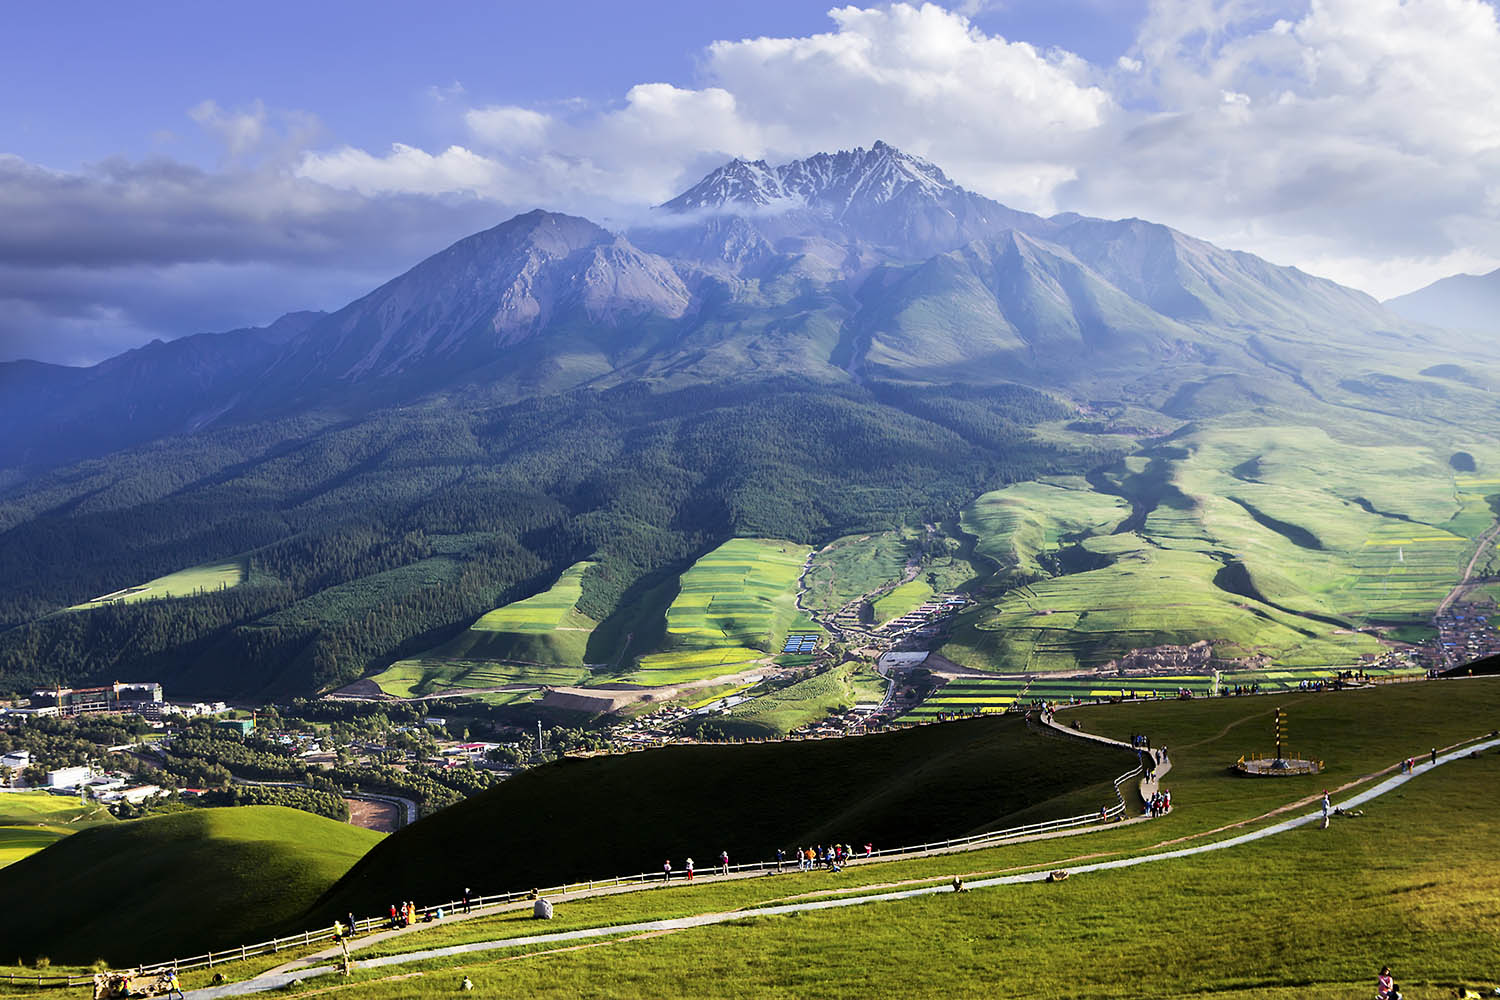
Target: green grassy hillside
[(607, 816), (1285, 543), (173, 885), (30, 821)]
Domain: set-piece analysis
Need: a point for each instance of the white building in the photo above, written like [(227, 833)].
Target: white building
[(16, 760), (68, 777)]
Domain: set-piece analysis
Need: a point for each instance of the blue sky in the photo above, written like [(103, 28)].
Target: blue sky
[(173, 167)]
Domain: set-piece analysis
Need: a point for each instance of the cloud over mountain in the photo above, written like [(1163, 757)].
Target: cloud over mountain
[(1354, 138)]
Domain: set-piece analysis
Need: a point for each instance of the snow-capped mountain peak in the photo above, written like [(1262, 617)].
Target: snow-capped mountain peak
[(834, 182)]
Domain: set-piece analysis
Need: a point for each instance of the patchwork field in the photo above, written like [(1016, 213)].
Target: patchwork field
[(1280, 545), (539, 640), (184, 583), (734, 605), (986, 695)]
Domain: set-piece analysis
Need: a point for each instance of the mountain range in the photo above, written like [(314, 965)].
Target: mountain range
[(847, 340), (838, 266)]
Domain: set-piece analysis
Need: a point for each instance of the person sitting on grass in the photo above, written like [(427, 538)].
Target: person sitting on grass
[(1385, 986), (958, 884)]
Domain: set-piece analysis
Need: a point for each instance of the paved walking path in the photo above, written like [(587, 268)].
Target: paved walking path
[(275, 981), (1150, 780)]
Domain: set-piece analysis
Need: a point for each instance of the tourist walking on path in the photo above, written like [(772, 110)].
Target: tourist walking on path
[(1326, 807), (467, 891), (666, 870), (173, 986), (724, 862), (689, 869), (780, 857)]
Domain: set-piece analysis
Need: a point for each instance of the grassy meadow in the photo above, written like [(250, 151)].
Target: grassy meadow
[(1306, 913), (856, 565), (189, 582), (33, 820), (189, 881), (779, 712), (1282, 544)]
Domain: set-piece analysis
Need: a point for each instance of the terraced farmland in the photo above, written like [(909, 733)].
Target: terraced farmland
[(541, 640), (986, 695), (735, 605)]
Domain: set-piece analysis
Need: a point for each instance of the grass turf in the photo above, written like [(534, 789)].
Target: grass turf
[(1308, 913), (891, 788), (207, 878)]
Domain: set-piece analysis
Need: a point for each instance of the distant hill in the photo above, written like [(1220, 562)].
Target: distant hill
[(615, 815), (55, 414), (174, 885), (1459, 302)]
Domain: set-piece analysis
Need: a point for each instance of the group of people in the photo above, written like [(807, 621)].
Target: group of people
[(1160, 803), (403, 914), (832, 858)]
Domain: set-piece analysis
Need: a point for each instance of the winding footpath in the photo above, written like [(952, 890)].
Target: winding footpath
[(277, 979)]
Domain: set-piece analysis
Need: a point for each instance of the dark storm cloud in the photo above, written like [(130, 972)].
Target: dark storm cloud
[(95, 262), (159, 212)]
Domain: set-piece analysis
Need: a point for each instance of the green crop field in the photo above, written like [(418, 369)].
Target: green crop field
[(184, 583), (733, 606), (541, 640)]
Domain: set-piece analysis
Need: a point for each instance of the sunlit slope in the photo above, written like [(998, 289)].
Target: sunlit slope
[(605, 816), (536, 640), (1280, 545), (31, 821), (173, 885), (190, 582), (733, 606)]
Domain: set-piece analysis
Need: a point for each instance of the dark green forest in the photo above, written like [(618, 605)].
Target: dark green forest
[(372, 535)]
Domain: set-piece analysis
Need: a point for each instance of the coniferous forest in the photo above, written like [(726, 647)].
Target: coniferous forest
[(368, 535)]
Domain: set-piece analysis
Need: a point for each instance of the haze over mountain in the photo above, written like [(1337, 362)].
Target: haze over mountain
[(1459, 302), (862, 260), (796, 351)]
